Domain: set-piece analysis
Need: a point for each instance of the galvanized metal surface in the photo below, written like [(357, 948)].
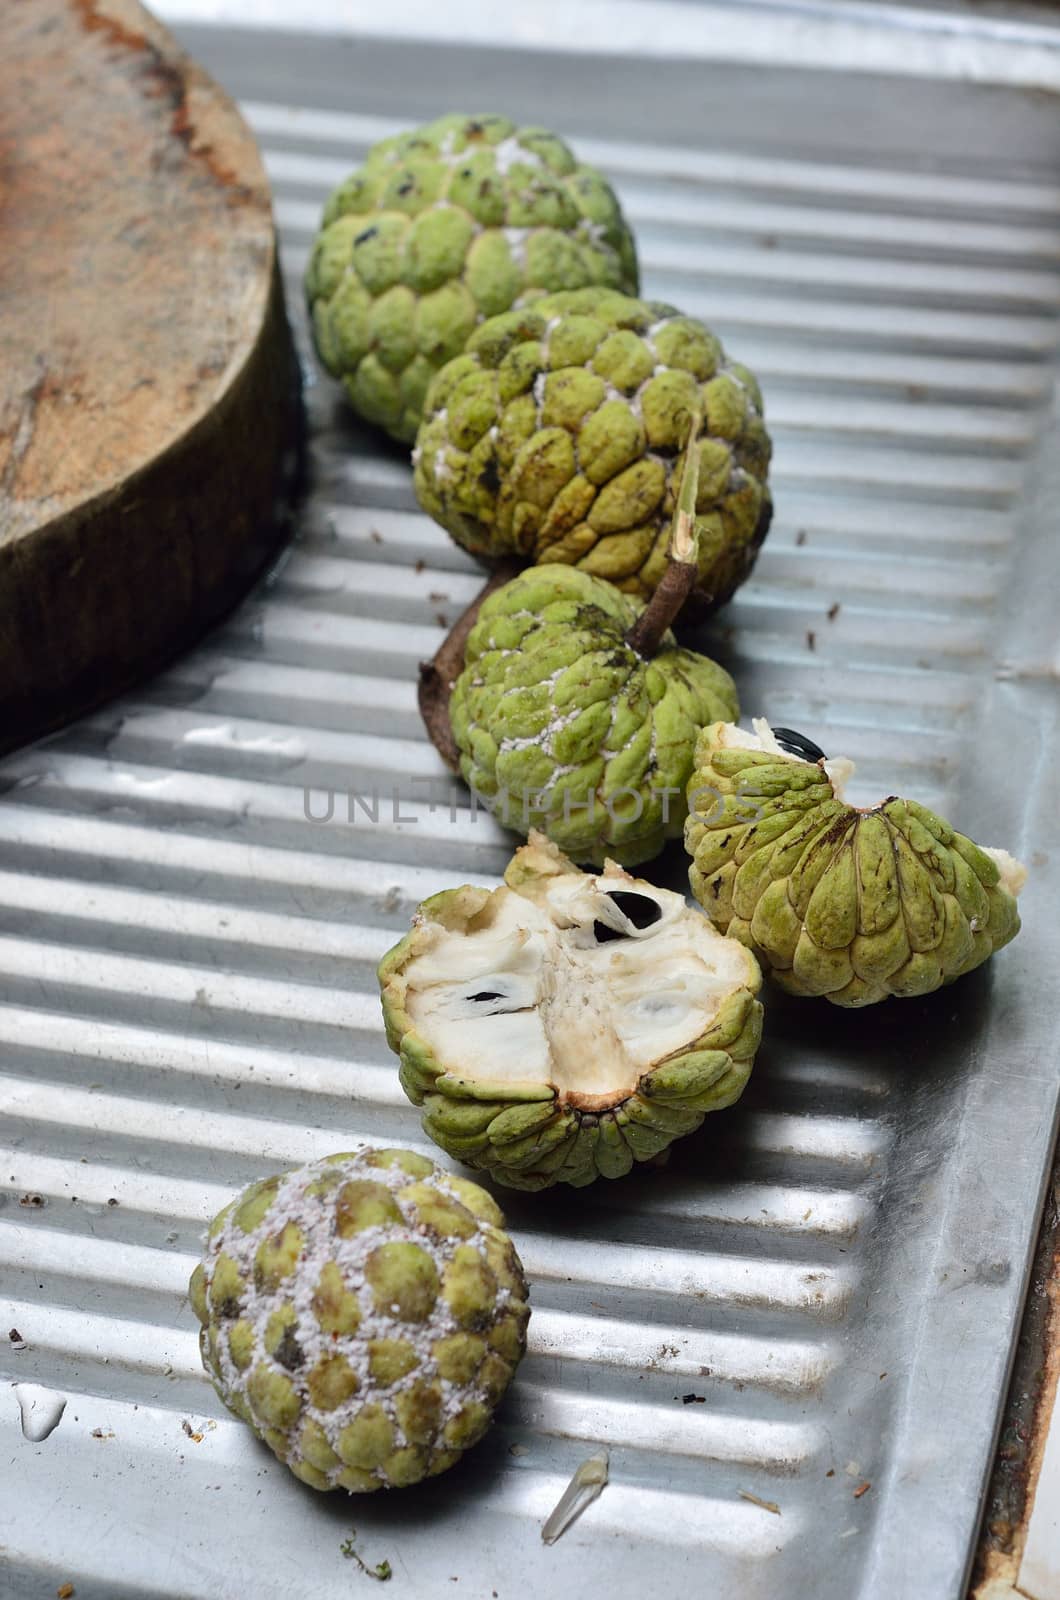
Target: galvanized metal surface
[(833, 1271)]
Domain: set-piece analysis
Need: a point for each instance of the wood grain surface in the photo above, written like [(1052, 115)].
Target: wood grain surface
[(148, 388)]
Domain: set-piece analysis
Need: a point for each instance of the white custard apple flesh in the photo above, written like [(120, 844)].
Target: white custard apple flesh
[(441, 228), (851, 903), (364, 1315), (563, 727), (558, 436), (564, 1026)]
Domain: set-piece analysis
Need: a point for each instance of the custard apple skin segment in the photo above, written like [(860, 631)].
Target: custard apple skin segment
[(441, 228), (563, 727), (558, 436), (529, 1135), (363, 1315), (851, 904)]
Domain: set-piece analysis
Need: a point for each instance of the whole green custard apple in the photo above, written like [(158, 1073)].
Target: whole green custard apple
[(558, 436), (563, 1026), (441, 228), (851, 903), (364, 1314), (562, 726)]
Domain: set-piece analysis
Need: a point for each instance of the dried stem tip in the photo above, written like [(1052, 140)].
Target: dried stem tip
[(682, 573)]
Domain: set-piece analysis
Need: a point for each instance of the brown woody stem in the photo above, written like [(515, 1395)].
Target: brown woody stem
[(438, 675), (682, 573)]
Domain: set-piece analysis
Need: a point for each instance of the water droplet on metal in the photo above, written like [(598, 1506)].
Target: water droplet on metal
[(41, 1409)]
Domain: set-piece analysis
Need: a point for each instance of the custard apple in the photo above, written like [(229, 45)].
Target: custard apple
[(564, 1026), (364, 1314), (440, 228), (835, 900), (558, 436), (563, 727)]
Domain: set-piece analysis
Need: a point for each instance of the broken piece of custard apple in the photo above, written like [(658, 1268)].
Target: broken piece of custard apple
[(557, 436), (851, 903), (441, 227), (364, 1314), (564, 1026), (562, 726)]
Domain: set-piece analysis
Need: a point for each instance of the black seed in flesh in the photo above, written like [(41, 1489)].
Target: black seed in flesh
[(640, 909), (485, 995), (797, 744)]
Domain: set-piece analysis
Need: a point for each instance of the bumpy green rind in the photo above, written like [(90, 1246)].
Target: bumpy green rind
[(834, 901), (363, 1315), (440, 228), (558, 435), (523, 1136), (562, 727)]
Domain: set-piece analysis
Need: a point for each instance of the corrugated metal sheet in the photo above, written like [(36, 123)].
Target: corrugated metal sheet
[(821, 1292)]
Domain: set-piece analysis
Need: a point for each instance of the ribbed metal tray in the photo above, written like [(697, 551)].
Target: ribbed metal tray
[(822, 1290)]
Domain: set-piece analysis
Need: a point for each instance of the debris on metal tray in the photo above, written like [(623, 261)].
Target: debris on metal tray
[(588, 1482), (381, 1571), (767, 1505)]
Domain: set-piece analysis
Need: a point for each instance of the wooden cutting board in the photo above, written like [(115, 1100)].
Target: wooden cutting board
[(148, 388)]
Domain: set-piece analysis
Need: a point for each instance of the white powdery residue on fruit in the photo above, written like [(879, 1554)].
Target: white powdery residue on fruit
[(738, 478), (653, 743), (442, 469), (539, 395), (631, 402), (546, 337), (597, 231), (726, 371), (606, 749), (510, 153), (555, 724), (517, 238), (314, 1216)]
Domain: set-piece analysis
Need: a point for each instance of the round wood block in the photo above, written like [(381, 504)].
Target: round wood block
[(149, 395)]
